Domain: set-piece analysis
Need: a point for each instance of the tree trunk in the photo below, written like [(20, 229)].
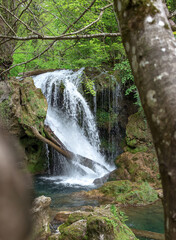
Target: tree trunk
[(55, 143), (65, 153), (6, 46), (151, 49)]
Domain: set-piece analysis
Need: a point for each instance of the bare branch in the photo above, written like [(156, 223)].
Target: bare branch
[(7, 24), (7, 10), (89, 25), (61, 37)]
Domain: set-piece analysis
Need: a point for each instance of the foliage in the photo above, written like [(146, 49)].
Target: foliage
[(127, 79), (106, 119), (52, 17), (89, 86)]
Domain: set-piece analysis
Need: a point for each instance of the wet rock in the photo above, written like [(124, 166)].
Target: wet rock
[(102, 180), (41, 216)]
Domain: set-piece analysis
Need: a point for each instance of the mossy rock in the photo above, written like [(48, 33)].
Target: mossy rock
[(23, 106), (141, 166), (75, 231), (33, 106), (130, 193), (36, 156), (124, 193), (138, 136), (104, 222)]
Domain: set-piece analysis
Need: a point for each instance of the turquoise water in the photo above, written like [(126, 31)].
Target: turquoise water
[(61, 194), (148, 218)]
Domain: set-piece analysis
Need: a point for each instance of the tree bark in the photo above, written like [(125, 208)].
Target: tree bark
[(151, 49), (55, 143), (7, 47), (66, 154)]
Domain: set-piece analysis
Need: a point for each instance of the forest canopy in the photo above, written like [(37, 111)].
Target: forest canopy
[(88, 29)]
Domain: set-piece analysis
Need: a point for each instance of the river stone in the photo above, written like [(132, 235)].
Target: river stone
[(102, 180), (41, 217), (62, 216)]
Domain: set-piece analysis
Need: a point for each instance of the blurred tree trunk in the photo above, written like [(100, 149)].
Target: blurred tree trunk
[(151, 49)]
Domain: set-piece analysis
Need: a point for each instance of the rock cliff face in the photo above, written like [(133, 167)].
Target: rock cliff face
[(111, 107), (139, 161), (22, 106)]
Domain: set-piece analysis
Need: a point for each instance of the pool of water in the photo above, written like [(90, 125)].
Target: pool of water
[(61, 193), (148, 218)]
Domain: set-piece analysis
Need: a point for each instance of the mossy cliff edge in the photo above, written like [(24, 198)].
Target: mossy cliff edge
[(23, 106), (139, 161)]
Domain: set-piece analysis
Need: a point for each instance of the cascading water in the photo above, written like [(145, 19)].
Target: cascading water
[(71, 120)]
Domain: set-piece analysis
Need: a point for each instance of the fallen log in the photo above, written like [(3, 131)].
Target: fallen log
[(51, 135), (148, 234), (55, 143), (66, 154)]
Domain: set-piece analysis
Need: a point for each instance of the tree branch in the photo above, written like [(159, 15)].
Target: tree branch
[(3, 19), (61, 37), (13, 15), (87, 9)]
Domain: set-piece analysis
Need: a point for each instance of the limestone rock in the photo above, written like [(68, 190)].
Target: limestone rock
[(41, 217)]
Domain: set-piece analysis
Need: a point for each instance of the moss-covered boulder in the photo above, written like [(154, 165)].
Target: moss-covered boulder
[(105, 222), (123, 193), (23, 106), (138, 136), (139, 161), (136, 167)]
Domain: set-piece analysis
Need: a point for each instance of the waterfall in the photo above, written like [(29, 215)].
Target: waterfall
[(72, 121)]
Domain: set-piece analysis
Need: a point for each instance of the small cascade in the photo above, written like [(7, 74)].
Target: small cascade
[(72, 121)]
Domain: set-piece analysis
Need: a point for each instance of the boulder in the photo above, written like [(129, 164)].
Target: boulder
[(104, 222), (136, 167), (41, 217)]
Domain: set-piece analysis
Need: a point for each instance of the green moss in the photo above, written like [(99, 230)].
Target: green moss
[(127, 192), (106, 119), (106, 221), (73, 232), (34, 149)]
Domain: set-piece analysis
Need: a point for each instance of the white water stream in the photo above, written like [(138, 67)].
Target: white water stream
[(70, 118)]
